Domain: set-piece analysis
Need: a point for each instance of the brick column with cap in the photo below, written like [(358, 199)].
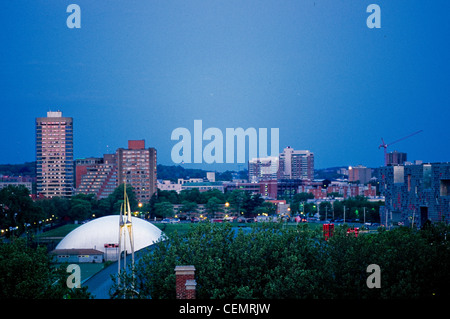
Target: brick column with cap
[(185, 282)]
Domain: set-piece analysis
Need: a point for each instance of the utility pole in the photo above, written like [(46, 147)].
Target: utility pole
[(332, 209), (344, 214)]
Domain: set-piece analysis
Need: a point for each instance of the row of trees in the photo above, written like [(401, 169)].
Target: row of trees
[(355, 207), (238, 202), (276, 262), (249, 205), (19, 212)]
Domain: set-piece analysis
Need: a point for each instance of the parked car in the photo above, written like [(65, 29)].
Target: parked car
[(170, 220), (241, 219), (195, 220)]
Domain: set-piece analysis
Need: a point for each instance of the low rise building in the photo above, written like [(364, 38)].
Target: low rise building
[(28, 185), (167, 185), (78, 255), (203, 186)]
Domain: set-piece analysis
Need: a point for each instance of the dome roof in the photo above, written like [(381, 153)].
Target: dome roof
[(105, 230)]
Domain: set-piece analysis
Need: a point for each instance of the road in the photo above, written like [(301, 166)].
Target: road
[(100, 283)]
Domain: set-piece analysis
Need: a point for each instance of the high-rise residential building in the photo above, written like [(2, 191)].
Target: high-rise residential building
[(296, 164), (359, 173), (137, 166), (396, 158), (262, 169), (54, 155), (97, 175)]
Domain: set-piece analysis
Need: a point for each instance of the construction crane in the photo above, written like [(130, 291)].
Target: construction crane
[(385, 146)]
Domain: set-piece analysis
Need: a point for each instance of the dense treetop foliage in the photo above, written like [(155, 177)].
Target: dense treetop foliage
[(272, 261)]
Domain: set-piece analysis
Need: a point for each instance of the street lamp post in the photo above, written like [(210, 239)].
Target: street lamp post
[(227, 205), (140, 208)]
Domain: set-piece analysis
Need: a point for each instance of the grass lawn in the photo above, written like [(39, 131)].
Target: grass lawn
[(59, 231), (182, 228), (90, 269), (168, 229), (87, 269)]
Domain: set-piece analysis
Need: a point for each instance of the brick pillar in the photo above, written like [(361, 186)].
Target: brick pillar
[(185, 282)]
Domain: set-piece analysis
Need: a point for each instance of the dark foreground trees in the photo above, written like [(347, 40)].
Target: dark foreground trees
[(27, 273), (272, 261)]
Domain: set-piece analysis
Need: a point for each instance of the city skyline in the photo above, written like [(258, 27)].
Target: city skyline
[(313, 69)]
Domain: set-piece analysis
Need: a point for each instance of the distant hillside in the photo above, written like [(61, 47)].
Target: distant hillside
[(170, 172), (173, 173), (330, 173), (26, 169)]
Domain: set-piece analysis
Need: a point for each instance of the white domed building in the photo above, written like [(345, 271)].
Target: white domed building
[(98, 240)]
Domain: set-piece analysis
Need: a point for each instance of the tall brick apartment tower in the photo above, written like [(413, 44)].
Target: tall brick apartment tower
[(137, 166), (54, 155)]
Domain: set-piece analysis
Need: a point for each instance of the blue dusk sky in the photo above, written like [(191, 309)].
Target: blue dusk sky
[(312, 68)]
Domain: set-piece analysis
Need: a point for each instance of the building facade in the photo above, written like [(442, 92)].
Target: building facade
[(262, 169), (137, 166), (396, 158), (267, 189), (415, 193), (167, 185), (296, 164), (97, 176), (203, 186), (77, 255), (344, 190), (359, 173), (81, 165), (54, 155), (17, 184)]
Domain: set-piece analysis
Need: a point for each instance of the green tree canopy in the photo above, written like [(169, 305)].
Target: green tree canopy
[(17, 209), (26, 273), (116, 198), (272, 261), (163, 209), (213, 206), (236, 200), (188, 207)]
